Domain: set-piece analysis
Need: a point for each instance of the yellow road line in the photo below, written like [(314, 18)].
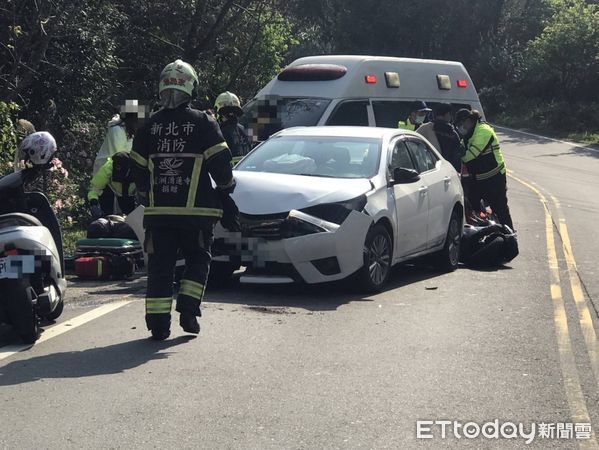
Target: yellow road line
[(64, 327), (584, 314), (574, 394)]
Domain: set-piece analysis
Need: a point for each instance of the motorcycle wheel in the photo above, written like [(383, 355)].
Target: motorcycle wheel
[(57, 311), (22, 315)]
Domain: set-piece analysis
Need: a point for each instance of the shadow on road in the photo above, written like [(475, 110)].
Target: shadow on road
[(322, 297), (87, 363), (89, 289)]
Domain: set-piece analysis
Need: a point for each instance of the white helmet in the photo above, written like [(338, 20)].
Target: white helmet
[(180, 76), (228, 102), (39, 148)]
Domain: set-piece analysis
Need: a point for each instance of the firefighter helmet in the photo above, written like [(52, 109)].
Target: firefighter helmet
[(180, 76), (228, 102)]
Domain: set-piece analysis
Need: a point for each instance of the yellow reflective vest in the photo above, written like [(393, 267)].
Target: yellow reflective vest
[(483, 156), (115, 141), (103, 179), (407, 125)]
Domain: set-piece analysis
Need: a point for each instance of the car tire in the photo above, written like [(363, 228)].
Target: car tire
[(448, 258), (378, 257), (220, 274)]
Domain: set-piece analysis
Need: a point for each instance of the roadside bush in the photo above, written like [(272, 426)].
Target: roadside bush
[(8, 137)]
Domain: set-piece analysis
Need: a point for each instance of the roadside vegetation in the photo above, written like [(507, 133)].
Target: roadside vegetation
[(67, 66)]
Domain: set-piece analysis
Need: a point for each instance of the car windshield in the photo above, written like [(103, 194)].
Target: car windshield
[(264, 117), (333, 157)]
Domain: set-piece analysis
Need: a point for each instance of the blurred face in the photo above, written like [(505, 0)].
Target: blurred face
[(445, 117), (465, 127), (418, 117)]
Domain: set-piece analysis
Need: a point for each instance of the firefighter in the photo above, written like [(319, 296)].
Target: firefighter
[(418, 115), (228, 111), (113, 180), (484, 163), (177, 152)]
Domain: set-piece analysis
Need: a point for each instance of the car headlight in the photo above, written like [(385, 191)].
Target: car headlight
[(337, 212), (299, 223)]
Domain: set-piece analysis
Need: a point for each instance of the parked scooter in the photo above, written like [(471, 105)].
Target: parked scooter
[(32, 275)]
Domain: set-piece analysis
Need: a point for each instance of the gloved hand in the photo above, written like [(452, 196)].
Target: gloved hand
[(230, 219), (96, 209)]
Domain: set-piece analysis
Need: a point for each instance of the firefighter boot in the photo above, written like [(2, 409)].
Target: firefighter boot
[(189, 323)]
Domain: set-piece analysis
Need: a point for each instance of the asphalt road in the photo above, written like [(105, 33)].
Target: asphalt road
[(328, 368)]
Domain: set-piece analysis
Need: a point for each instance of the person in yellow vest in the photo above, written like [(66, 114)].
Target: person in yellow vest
[(485, 164), (120, 132), (113, 179), (418, 116)]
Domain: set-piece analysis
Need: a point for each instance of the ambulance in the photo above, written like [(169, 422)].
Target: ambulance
[(354, 90)]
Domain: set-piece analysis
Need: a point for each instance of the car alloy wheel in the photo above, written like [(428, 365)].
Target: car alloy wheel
[(379, 259), (447, 259), (454, 236)]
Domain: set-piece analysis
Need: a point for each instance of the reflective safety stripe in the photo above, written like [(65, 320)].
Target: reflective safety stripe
[(182, 211), (143, 162), (472, 152), (158, 305), (192, 289), (228, 185), (236, 159), (491, 173), (117, 188), (195, 181), (151, 193), (215, 150)]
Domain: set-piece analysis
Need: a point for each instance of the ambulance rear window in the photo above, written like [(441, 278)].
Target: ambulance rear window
[(313, 72)]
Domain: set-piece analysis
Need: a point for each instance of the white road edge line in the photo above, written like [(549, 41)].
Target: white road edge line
[(64, 327), (538, 136)]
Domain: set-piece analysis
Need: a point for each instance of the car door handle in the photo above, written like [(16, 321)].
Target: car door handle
[(423, 190), (447, 180)]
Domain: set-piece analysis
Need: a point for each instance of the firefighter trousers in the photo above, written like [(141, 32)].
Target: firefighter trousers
[(163, 246)]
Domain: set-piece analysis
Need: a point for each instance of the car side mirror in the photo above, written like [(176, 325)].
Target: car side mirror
[(405, 176)]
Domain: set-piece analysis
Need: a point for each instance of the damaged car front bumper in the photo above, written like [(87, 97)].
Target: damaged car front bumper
[(294, 248)]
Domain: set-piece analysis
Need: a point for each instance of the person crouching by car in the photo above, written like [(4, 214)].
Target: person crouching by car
[(485, 164), (113, 180)]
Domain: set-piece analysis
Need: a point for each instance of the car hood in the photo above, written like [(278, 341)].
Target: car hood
[(260, 193)]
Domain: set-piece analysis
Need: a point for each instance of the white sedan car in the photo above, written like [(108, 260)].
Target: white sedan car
[(322, 204)]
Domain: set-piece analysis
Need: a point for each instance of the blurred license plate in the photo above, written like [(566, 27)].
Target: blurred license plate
[(15, 266)]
